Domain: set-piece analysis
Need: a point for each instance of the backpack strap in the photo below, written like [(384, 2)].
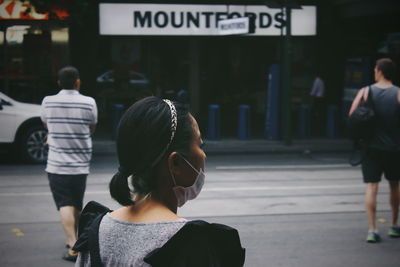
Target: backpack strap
[(370, 101), (94, 247), (89, 223)]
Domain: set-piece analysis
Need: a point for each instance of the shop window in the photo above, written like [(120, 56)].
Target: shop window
[(30, 57)]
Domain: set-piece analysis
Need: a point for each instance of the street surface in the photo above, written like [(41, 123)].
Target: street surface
[(290, 210)]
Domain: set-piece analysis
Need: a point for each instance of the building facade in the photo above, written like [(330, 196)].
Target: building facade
[(163, 47)]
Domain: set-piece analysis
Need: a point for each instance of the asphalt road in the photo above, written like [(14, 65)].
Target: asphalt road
[(290, 210)]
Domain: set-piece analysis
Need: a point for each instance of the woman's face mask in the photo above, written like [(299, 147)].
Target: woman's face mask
[(183, 194)]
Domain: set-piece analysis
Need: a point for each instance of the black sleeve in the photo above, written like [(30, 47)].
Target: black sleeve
[(226, 243), (200, 244)]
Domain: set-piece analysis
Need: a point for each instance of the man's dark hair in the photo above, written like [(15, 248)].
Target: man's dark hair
[(144, 133), (387, 67), (67, 77)]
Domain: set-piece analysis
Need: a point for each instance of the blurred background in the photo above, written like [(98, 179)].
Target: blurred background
[(38, 37)]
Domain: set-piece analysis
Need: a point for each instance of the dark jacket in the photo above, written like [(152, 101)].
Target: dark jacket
[(197, 243)]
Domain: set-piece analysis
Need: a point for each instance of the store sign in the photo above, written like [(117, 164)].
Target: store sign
[(173, 19), (234, 26), (23, 10)]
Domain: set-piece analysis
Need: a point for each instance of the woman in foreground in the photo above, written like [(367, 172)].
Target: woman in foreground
[(162, 163)]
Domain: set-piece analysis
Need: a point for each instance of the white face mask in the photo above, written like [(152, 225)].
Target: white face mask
[(183, 194)]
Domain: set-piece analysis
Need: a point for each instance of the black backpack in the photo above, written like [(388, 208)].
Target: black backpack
[(361, 127), (361, 123)]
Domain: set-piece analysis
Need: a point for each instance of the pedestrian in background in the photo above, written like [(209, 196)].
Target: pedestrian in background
[(317, 94), (161, 168), (383, 151), (70, 119)]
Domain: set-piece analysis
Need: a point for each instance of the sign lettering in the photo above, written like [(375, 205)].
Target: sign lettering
[(185, 19), (234, 26)]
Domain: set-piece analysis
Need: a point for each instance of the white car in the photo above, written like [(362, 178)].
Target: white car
[(22, 129)]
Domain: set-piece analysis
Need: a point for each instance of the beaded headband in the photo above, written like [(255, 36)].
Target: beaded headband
[(174, 119), (174, 124)]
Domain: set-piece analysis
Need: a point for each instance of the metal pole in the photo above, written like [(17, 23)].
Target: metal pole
[(286, 81), (194, 83)]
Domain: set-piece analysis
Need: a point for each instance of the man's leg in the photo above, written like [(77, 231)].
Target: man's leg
[(69, 219), (394, 201), (392, 173), (370, 204)]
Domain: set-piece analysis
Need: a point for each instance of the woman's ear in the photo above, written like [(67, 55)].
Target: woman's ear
[(174, 163)]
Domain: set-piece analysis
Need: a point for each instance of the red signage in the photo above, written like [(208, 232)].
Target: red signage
[(17, 10)]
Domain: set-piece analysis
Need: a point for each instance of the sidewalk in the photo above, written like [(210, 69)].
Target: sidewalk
[(254, 146)]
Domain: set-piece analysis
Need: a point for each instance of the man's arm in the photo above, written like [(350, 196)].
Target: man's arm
[(92, 128), (398, 96), (357, 100), (43, 114)]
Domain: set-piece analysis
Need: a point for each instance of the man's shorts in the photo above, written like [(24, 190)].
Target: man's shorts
[(68, 190), (377, 162)]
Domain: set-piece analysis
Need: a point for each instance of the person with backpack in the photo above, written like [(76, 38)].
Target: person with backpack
[(383, 145), (162, 162)]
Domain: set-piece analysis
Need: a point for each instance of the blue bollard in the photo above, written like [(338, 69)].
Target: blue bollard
[(213, 131), (244, 122), (117, 111), (304, 121), (332, 122), (273, 104)]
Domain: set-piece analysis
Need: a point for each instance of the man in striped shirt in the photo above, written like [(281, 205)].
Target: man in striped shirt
[(70, 119)]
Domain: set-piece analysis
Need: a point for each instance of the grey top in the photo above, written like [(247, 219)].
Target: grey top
[(387, 109), (126, 244)]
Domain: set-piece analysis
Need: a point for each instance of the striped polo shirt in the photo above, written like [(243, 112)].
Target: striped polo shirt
[(68, 116)]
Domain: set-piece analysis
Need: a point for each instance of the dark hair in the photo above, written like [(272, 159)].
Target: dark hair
[(388, 68), (67, 77), (144, 133)]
